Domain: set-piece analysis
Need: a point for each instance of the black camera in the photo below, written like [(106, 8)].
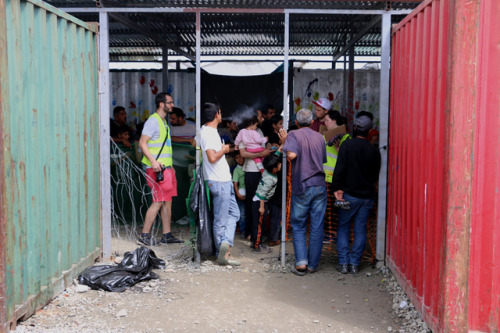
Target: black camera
[(159, 174)]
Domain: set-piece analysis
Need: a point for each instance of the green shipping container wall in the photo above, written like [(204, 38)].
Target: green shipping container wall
[(49, 150)]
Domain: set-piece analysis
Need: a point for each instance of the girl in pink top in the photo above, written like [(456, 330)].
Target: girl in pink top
[(251, 139)]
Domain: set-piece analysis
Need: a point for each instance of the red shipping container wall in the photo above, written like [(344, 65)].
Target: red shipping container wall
[(484, 268), (443, 183)]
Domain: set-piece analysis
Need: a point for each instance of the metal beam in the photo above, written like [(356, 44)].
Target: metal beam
[(356, 38), (233, 10), (104, 135), (383, 136), (131, 24)]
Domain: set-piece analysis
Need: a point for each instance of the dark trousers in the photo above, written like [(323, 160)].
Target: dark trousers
[(251, 182)]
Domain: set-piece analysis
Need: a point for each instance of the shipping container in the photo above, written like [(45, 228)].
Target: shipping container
[(49, 149), (443, 235)]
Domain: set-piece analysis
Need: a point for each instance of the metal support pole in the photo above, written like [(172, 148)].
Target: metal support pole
[(285, 126), (384, 131), (104, 135), (164, 70), (198, 102), (350, 88)]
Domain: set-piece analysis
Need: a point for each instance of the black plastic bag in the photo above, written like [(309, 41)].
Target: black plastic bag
[(199, 203), (135, 267)]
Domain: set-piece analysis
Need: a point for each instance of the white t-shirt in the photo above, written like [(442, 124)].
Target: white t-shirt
[(218, 171), (180, 151)]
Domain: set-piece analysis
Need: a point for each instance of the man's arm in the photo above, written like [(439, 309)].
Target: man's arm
[(213, 156), (178, 139), (143, 144), (246, 154)]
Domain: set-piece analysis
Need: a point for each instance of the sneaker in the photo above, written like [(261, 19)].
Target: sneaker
[(344, 269), (147, 240), (261, 249), (354, 269), (170, 240)]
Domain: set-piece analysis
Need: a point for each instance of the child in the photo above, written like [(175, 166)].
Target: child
[(253, 142), (239, 191), (265, 190)]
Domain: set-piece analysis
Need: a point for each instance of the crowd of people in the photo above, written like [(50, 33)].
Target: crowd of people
[(333, 176)]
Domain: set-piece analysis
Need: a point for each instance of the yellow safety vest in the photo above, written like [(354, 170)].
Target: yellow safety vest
[(154, 146), (331, 159)]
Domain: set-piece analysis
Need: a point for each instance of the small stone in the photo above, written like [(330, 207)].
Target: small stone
[(368, 274), (389, 329), (316, 321), (81, 288), (348, 302), (147, 289), (122, 313)]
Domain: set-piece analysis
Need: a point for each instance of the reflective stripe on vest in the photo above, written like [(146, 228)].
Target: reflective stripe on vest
[(154, 146)]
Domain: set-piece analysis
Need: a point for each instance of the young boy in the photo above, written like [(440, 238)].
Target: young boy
[(265, 190), (240, 192)]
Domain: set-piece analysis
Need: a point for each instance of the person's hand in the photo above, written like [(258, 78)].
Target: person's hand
[(339, 195), (266, 152), (226, 149), (156, 166), (192, 141), (262, 210), (283, 135), (126, 143)]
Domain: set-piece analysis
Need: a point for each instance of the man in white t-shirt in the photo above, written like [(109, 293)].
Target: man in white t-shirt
[(183, 154), (218, 177)]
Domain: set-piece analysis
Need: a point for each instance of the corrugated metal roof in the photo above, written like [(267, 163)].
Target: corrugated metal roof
[(139, 36)]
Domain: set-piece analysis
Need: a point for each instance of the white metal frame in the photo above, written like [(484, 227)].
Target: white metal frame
[(104, 113)]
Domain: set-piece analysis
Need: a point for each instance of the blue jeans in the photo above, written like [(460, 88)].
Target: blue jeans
[(242, 220), (310, 203), (360, 209), (226, 212)]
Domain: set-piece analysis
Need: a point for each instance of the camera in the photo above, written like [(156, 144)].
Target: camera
[(342, 204), (159, 174)]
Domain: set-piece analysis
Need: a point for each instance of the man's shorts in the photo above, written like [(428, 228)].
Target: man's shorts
[(165, 190)]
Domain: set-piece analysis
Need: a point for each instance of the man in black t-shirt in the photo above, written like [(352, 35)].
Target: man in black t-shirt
[(354, 185)]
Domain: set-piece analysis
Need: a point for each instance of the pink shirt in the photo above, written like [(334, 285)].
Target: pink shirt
[(250, 138)]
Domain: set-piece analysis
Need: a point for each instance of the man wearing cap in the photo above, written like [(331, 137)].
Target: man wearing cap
[(354, 184), (321, 108)]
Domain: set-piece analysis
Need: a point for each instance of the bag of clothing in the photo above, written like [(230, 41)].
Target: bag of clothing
[(135, 267), (200, 204)]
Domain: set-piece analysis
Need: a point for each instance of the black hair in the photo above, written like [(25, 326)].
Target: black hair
[(208, 112), (249, 121), (335, 115), (271, 161), (365, 113), (117, 110), (122, 130), (265, 108), (161, 98), (276, 119), (363, 134), (178, 112)]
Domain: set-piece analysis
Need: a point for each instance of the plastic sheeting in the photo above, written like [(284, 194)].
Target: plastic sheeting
[(135, 267)]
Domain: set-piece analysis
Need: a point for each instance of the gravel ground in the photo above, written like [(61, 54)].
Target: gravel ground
[(259, 296)]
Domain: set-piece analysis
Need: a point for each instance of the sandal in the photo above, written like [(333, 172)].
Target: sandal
[(299, 272)]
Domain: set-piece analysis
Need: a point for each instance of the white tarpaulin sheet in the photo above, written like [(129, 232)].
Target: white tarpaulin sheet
[(136, 90), (310, 85)]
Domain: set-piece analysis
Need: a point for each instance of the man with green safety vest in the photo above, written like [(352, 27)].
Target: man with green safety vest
[(333, 120), (156, 146)]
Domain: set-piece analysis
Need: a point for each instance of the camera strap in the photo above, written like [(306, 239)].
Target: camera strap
[(163, 145)]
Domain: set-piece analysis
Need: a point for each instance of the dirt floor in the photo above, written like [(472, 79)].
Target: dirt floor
[(259, 296)]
